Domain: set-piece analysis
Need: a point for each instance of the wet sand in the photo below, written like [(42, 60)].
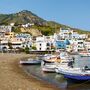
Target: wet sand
[(12, 77)]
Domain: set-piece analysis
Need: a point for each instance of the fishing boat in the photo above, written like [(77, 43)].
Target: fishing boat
[(84, 54), (49, 64), (65, 55), (30, 62), (74, 73), (49, 56)]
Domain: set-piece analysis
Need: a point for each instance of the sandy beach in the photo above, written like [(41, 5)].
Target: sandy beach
[(12, 77)]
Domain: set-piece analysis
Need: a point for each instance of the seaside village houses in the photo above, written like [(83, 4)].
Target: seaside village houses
[(66, 39), (10, 40)]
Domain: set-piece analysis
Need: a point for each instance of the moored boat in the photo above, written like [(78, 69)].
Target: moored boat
[(49, 65), (49, 68), (84, 54), (74, 73), (30, 62), (64, 56)]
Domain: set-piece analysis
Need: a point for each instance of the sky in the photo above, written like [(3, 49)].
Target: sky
[(74, 13)]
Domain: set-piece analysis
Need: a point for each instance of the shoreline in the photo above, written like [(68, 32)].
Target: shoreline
[(12, 76)]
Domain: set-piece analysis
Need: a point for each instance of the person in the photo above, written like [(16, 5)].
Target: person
[(86, 68), (70, 64), (73, 59)]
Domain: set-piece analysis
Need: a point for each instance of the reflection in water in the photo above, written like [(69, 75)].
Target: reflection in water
[(57, 79), (84, 85)]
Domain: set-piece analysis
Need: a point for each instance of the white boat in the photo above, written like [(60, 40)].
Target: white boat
[(64, 56), (48, 66), (49, 56), (49, 63), (74, 73), (30, 62), (84, 54), (67, 69), (64, 63)]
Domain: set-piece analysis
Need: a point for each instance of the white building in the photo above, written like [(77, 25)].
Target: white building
[(27, 25), (16, 44), (5, 29), (3, 45), (12, 24), (65, 33), (87, 45), (83, 36), (44, 43), (77, 45), (40, 43), (75, 35), (26, 40)]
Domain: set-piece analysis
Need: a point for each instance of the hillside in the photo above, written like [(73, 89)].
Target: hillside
[(40, 25)]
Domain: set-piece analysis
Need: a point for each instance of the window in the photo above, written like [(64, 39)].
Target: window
[(47, 48), (40, 44), (48, 44), (80, 42)]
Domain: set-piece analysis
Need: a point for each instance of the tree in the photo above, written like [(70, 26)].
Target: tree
[(27, 50), (16, 29), (53, 47), (34, 48), (10, 45)]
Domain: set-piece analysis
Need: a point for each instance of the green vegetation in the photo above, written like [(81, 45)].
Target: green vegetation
[(10, 45), (34, 48), (16, 29), (45, 27), (45, 30), (83, 32), (26, 50)]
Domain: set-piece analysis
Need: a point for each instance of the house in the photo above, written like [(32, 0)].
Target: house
[(60, 45), (9, 35), (5, 29), (68, 45), (87, 45), (27, 25), (83, 36), (75, 35), (44, 43), (2, 34), (78, 45), (66, 33), (26, 39), (41, 43), (15, 43), (3, 45), (12, 24)]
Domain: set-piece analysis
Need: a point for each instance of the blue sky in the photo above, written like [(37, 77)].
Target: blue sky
[(75, 13)]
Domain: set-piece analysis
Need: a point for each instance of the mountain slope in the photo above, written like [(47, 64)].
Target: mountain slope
[(23, 17)]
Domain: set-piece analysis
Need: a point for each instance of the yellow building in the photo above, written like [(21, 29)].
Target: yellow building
[(9, 35)]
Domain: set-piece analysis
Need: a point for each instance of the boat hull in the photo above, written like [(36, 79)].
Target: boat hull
[(30, 62), (48, 70), (77, 77)]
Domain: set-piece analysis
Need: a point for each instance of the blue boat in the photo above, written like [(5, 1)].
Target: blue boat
[(74, 73)]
